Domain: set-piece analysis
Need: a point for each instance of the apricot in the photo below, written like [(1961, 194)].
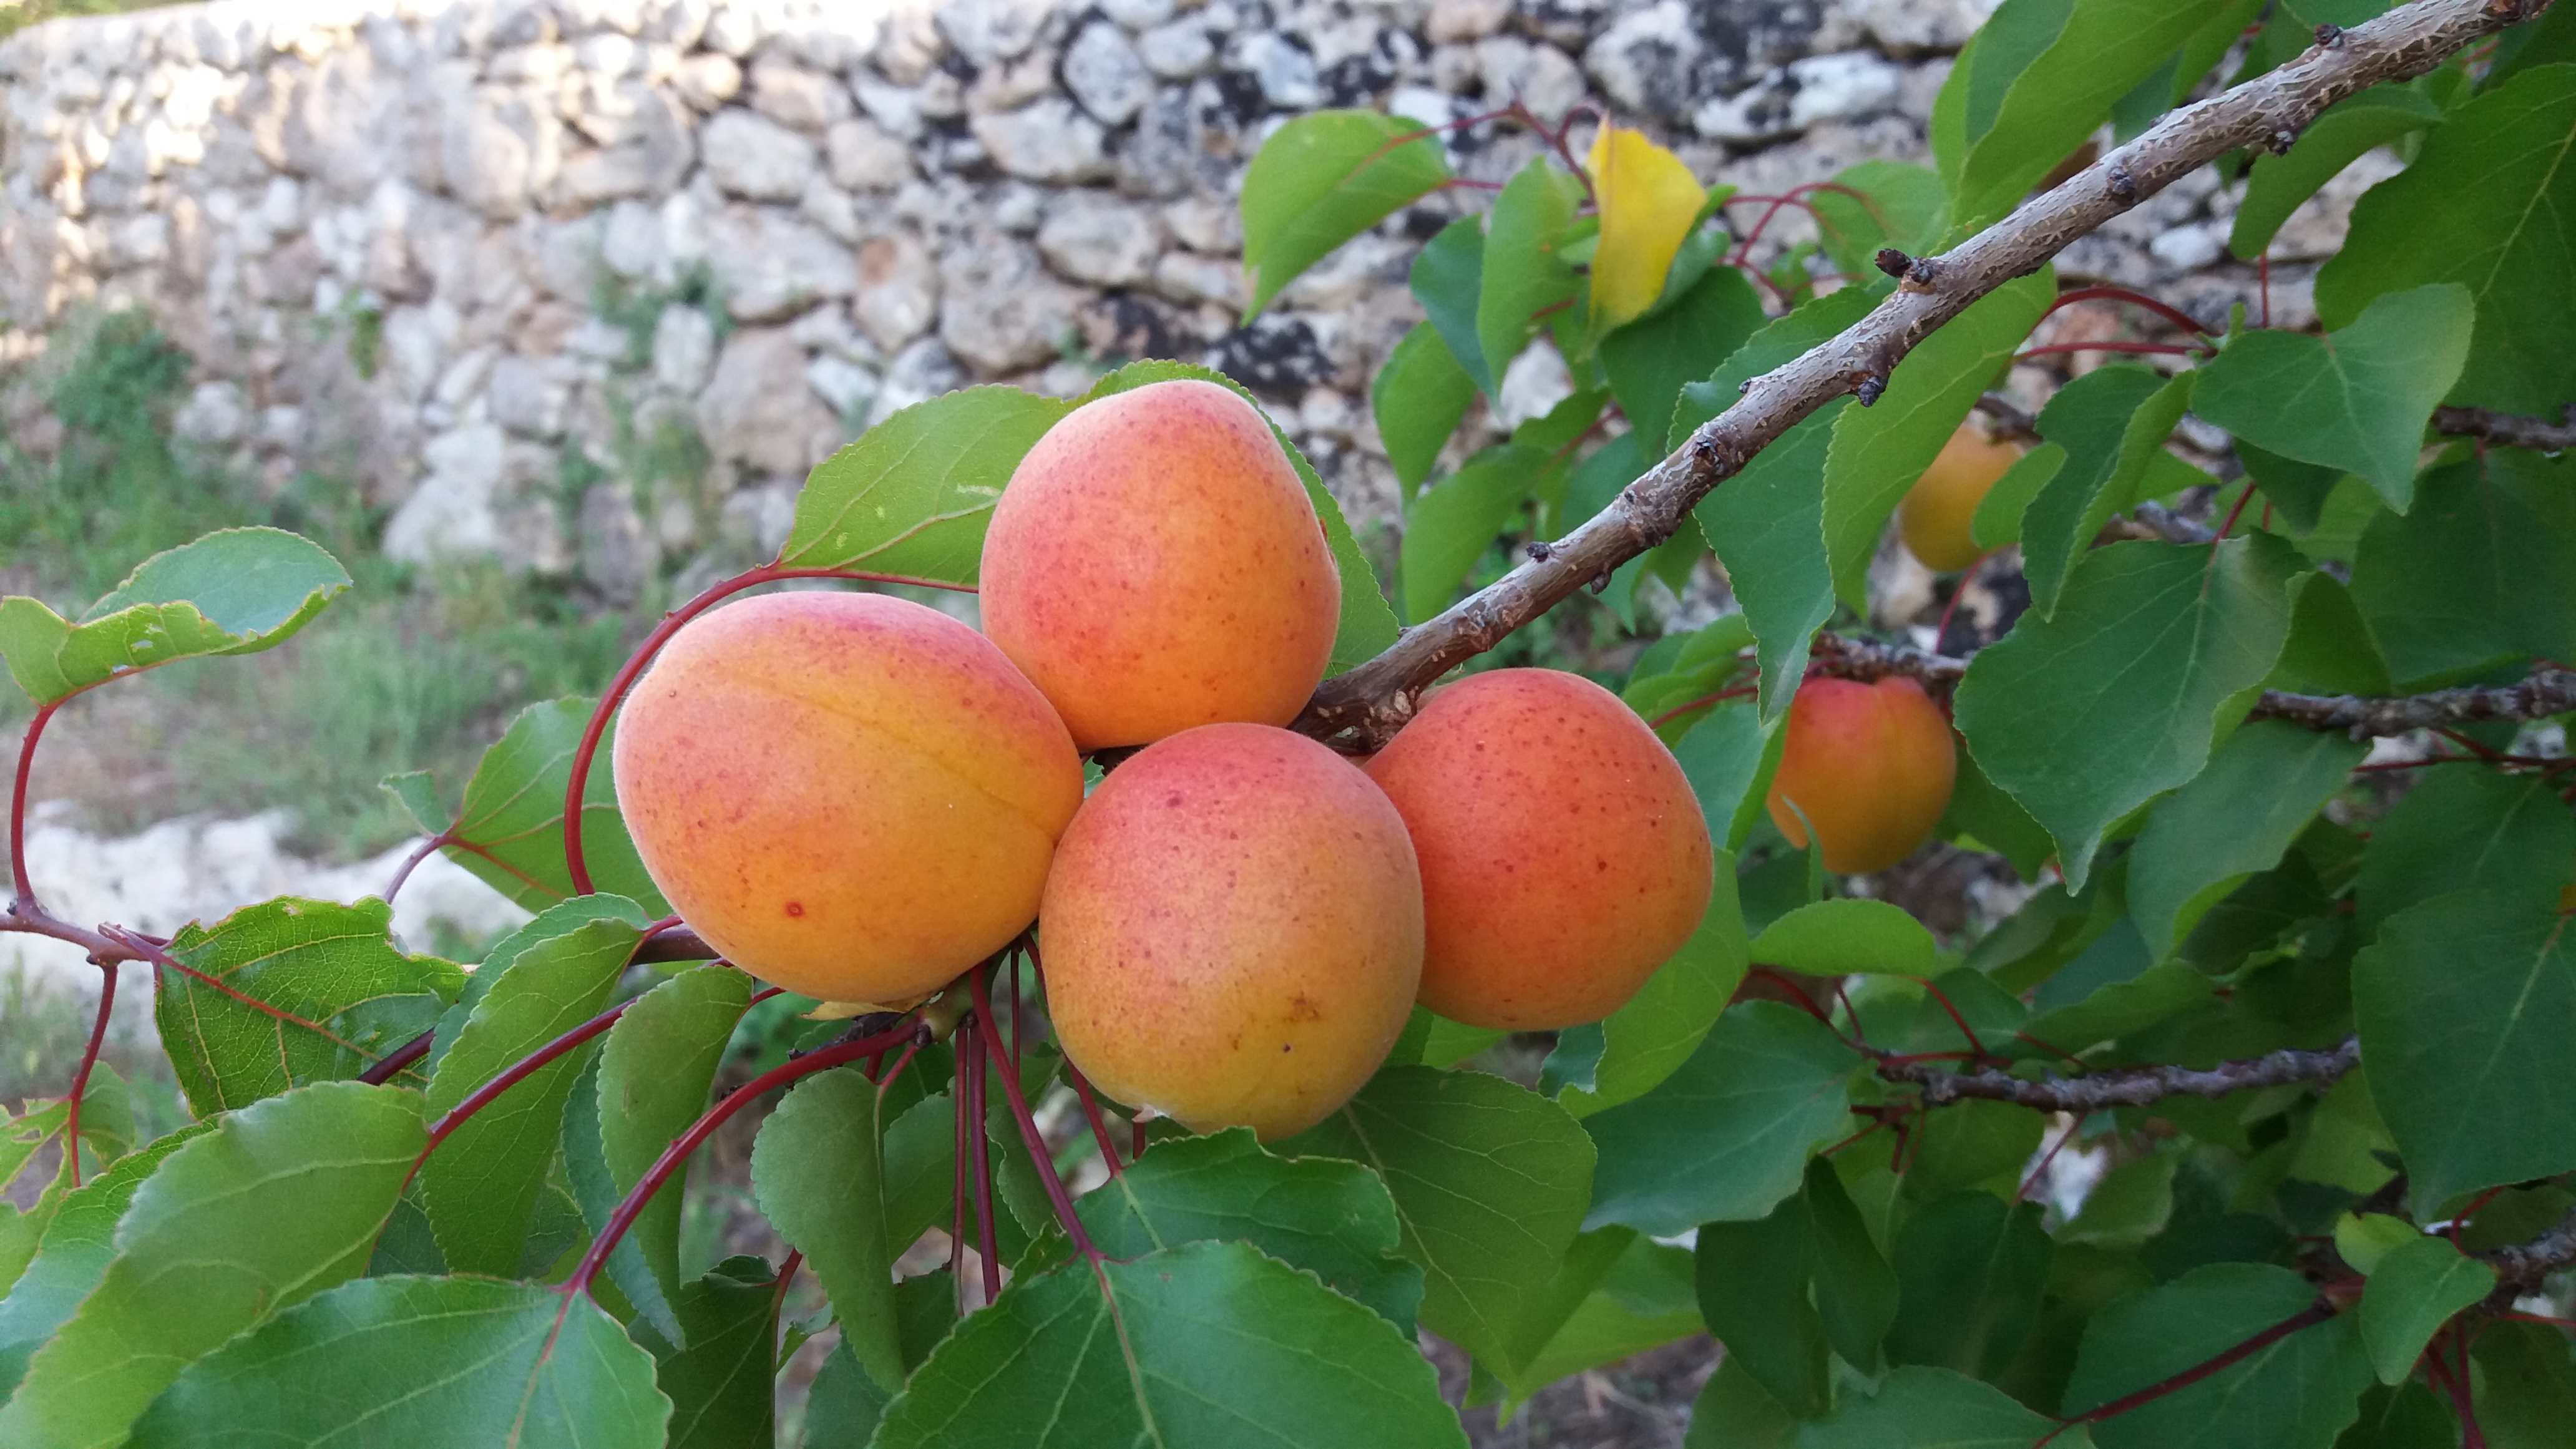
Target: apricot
[(1934, 517), (1233, 930), (1869, 765), (1155, 564), (1563, 854), (849, 795)]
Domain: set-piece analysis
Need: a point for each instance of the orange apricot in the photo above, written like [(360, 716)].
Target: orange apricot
[(849, 795), (1563, 854), (1869, 765), (1935, 516), (1155, 564), (1233, 930)]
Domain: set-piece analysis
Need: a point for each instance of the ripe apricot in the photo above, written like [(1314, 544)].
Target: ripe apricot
[(849, 795), (1155, 564), (1935, 515), (1563, 854), (1870, 766), (1233, 930)]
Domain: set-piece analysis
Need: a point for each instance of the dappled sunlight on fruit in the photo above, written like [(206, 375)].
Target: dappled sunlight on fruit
[(1869, 765), (1935, 516)]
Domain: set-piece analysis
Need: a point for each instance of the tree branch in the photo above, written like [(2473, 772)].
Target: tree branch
[(2521, 1267), (2505, 430), (1369, 703), (2123, 1086)]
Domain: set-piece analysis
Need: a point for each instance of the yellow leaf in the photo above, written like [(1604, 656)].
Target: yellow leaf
[(1648, 200)]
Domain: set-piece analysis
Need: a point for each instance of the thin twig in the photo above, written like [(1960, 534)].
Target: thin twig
[(88, 1061), (2506, 430), (2123, 1086)]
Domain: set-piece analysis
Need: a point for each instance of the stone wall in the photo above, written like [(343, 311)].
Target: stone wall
[(587, 285)]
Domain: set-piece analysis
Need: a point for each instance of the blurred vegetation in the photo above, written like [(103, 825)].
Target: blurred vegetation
[(16, 15)]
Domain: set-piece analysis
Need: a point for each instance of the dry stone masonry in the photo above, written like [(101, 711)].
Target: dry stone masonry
[(587, 285)]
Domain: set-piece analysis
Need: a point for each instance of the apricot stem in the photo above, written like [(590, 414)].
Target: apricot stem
[(1036, 1141), (80, 1078), (970, 1072)]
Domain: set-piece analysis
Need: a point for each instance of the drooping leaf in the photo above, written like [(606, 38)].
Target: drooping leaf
[(1329, 1217), (1847, 937), (2490, 203), (1419, 398), (1642, 1299), (1998, 519), (2355, 399), (1934, 1408), (2297, 1392), (353, 994), (2112, 422), (1899, 205), (234, 591), (1647, 201), (2131, 1204), (595, 1195), (2530, 1393), (1447, 278), (2330, 649), (78, 1242), (2465, 1006), (1649, 361), (281, 1200), (1879, 451), (509, 827), (818, 1171), (1524, 272), (481, 1185), (722, 1385), (1367, 624), (656, 1066), (1727, 1136), (2412, 1292), (1856, 1291), (1970, 1272), (1455, 520), (1489, 1182), (2086, 716), (1734, 1411), (1654, 1033), (913, 495), (2349, 128), (1199, 1344), (1321, 180), (1754, 1279), (2463, 828), (1971, 1144), (414, 1360), (2470, 577), (2239, 817)]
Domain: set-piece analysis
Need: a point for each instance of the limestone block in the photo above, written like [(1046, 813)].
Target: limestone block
[(1047, 141), (1091, 237), (1177, 51), (757, 410), (754, 157), (1003, 312), (773, 264), (1106, 76), (898, 290), (863, 156), (986, 31), (684, 349), (793, 96), (707, 80)]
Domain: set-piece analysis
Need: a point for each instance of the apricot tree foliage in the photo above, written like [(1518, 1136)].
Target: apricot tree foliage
[(2320, 1041)]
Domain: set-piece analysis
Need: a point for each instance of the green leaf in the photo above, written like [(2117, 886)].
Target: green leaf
[(1733, 1411), (1767, 522), (1419, 398), (1933, 1408), (2297, 1392), (2490, 203), (2032, 101), (595, 1194), (2330, 650), (281, 1200), (655, 1069), (2460, 828), (1879, 451), (817, 1169), (1999, 514), (1455, 520), (509, 827), (1856, 1291), (2355, 399), (2348, 129), (2465, 1006), (481, 1185), (1968, 1144), (1970, 1272), (1753, 1291), (722, 1386), (1654, 1033), (2366, 1238), (1727, 1136), (2407, 1417), (2131, 1204), (1367, 625), (78, 1243), (913, 495), (1447, 278), (1321, 180), (2530, 1385), (1847, 937), (1523, 272), (1329, 1217), (1900, 205), (2237, 818), (2113, 422), (1642, 1300), (411, 1360), (2084, 717), (2412, 1292), (2471, 577), (1650, 359), (353, 994), (1200, 1344), (1489, 1182), (234, 591)]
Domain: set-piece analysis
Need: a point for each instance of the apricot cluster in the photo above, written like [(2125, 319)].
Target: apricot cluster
[(860, 798)]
